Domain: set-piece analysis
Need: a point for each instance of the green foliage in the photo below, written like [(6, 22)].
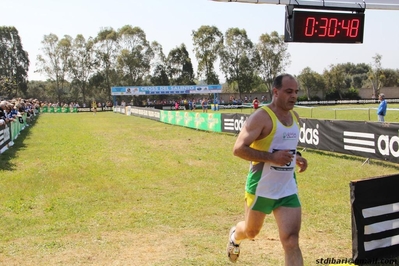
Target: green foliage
[(238, 59), (332, 95), (208, 41), (87, 67), (302, 98), (7, 86), (315, 98), (135, 56), (376, 74), (106, 45), (179, 67), (351, 94), (55, 61), (391, 78), (311, 82), (273, 57), (39, 90), (14, 63), (82, 64), (160, 76), (305, 98), (359, 80)]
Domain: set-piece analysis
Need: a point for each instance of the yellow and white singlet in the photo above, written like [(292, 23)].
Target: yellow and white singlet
[(273, 181)]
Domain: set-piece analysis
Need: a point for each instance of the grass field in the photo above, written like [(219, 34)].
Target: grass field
[(359, 112), (108, 189)]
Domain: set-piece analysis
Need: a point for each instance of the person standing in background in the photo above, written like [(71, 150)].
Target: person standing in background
[(94, 107), (255, 103), (204, 104), (382, 108)]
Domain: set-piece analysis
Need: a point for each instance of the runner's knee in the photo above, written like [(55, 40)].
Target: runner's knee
[(290, 241), (251, 233)]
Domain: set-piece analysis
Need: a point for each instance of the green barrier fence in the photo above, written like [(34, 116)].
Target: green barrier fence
[(46, 109), (203, 121), (17, 126)]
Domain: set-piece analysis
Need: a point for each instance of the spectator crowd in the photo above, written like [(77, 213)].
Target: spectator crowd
[(15, 108)]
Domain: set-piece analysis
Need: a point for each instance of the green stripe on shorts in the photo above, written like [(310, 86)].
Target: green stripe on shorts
[(267, 205)]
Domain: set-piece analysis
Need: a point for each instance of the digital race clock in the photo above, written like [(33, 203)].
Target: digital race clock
[(324, 27)]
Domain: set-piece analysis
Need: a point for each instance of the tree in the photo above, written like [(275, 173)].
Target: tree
[(311, 81), (7, 86), (180, 68), (159, 74), (273, 56), (360, 68), (106, 46), (338, 80), (376, 75), (39, 89), (65, 48), (82, 63), (238, 59), (208, 41), (54, 63), (95, 86), (134, 59), (360, 75), (391, 77), (14, 62), (356, 75)]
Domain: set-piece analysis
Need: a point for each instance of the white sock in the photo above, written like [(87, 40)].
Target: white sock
[(233, 239)]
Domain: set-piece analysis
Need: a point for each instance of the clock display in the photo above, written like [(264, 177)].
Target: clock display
[(325, 27)]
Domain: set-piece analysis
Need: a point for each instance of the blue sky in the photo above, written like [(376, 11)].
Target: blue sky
[(171, 22)]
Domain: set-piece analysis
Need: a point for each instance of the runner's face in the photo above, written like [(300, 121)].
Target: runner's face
[(288, 94)]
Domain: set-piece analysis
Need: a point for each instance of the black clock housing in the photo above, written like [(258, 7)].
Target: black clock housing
[(324, 27)]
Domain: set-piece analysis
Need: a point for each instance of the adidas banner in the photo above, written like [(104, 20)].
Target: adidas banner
[(5, 137), (233, 123), (375, 218), (374, 140)]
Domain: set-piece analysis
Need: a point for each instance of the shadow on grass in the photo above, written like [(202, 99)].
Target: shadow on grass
[(11, 152), (355, 158)]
